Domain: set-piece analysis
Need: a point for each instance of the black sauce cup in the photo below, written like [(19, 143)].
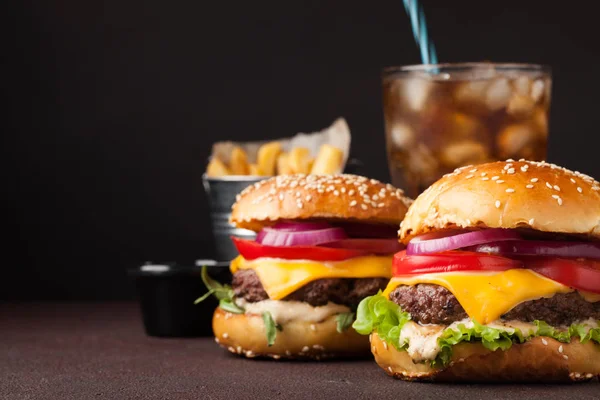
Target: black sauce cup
[(167, 292)]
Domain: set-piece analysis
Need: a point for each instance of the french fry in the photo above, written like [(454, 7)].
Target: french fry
[(216, 168), (298, 160), (267, 157), (238, 164), (283, 165), (328, 161), (254, 170)]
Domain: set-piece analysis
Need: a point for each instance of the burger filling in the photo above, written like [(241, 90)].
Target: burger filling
[(495, 287), (309, 271)]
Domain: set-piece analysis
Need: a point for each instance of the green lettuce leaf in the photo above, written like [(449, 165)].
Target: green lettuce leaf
[(387, 318), (344, 321), (224, 293), (378, 313)]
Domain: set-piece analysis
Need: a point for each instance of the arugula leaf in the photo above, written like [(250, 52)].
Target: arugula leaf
[(344, 321), (270, 327), (223, 293)]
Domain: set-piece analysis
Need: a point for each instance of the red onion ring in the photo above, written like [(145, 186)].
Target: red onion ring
[(433, 243), (590, 250)]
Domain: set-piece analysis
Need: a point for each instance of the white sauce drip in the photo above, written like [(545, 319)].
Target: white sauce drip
[(285, 311)]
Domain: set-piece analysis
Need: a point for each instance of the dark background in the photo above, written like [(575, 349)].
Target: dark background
[(113, 107)]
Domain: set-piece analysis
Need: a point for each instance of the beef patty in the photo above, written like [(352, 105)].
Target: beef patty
[(348, 292), (433, 304)]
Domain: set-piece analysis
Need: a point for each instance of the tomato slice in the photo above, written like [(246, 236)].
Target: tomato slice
[(371, 246), (251, 250), (581, 274), (450, 261)]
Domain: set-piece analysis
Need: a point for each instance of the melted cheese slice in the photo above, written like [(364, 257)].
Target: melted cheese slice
[(282, 277), (486, 296)]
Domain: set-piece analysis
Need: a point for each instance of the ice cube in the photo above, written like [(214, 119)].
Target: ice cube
[(422, 162), (464, 152), (520, 105), (402, 135), (522, 85), (540, 120), (513, 140), (498, 94), (472, 92), (416, 91), (537, 90)]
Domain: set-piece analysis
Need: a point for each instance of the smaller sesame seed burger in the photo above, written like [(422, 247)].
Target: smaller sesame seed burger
[(324, 242), (500, 279)]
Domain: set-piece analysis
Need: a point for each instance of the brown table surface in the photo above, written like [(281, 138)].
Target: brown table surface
[(81, 351)]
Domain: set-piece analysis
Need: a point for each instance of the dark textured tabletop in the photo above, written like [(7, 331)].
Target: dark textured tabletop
[(100, 351)]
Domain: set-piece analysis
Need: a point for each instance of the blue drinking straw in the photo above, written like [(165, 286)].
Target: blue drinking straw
[(419, 27)]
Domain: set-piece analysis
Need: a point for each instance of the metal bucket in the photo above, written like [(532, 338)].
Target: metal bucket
[(221, 194)]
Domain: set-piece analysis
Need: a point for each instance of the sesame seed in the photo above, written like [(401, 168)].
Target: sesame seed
[(380, 205), (318, 347), (534, 180), (385, 345), (336, 193), (352, 203), (225, 335), (350, 192), (343, 190), (308, 197), (239, 349), (250, 353), (596, 188), (299, 204), (558, 199), (556, 188), (560, 349), (483, 173), (298, 194), (231, 349), (468, 176), (589, 376), (545, 342), (485, 178), (499, 181), (509, 190), (495, 177), (549, 185), (524, 168), (217, 339), (580, 190), (288, 353), (363, 206), (531, 221), (530, 186), (281, 196), (276, 356), (566, 357), (497, 203), (390, 369), (510, 171), (473, 170), (305, 349), (313, 327), (238, 197), (510, 160), (573, 180)]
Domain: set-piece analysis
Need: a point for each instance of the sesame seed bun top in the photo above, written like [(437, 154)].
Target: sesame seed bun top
[(330, 197), (508, 194)]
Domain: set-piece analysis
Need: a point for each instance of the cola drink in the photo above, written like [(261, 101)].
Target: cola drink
[(441, 117)]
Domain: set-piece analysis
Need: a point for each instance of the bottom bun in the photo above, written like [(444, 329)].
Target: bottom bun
[(538, 360), (245, 334)]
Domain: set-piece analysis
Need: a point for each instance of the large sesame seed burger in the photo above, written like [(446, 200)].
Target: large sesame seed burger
[(324, 242), (500, 279)]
